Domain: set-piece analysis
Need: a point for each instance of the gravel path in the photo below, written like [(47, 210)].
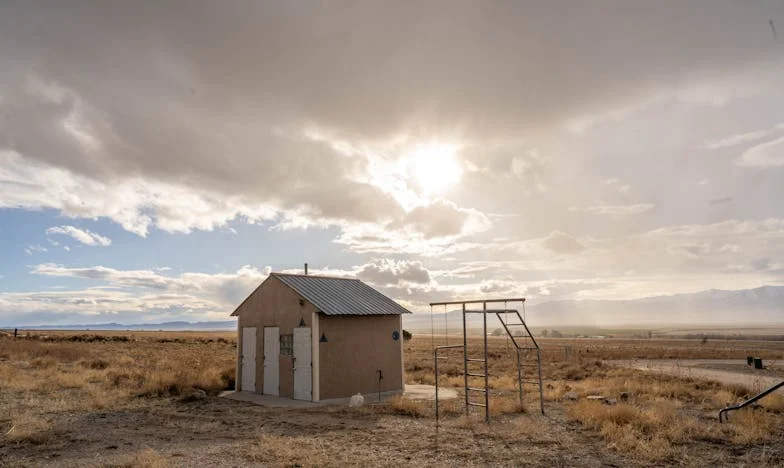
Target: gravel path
[(726, 371)]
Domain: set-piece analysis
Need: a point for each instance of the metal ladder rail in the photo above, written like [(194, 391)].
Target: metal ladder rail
[(538, 362), (518, 349), (517, 353), (749, 401), (486, 371), (435, 368)]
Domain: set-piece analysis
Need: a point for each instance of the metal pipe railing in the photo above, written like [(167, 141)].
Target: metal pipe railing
[(749, 401)]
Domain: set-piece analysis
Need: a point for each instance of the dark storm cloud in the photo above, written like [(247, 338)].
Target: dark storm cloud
[(202, 87)]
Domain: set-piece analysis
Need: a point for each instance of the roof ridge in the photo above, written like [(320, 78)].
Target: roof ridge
[(315, 276)]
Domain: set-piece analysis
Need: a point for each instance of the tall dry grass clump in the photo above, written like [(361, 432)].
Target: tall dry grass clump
[(405, 407), (505, 404), (754, 425), (178, 381), (28, 428), (773, 403), (649, 433)]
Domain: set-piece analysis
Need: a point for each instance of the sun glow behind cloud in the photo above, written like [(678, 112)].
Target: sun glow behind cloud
[(433, 167), (414, 174)]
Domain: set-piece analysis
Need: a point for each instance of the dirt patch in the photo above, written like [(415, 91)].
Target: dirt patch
[(772, 370), (220, 432), (727, 372)]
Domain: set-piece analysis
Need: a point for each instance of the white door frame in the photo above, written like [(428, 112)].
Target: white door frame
[(271, 361), (303, 360), (248, 358), (315, 340)]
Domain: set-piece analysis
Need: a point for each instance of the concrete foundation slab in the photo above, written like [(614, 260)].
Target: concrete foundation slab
[(412, 392), (428, 392), (267, 400)]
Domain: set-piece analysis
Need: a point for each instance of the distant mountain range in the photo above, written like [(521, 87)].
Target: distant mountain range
[(759, 306), (763, 305), (167, 326)]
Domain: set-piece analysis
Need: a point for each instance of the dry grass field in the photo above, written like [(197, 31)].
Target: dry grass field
[(150, 399)]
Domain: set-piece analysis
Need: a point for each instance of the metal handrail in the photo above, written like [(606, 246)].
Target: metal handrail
[(749, 401)]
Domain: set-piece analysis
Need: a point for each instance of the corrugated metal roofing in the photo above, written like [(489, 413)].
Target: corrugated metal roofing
[(341, 296)]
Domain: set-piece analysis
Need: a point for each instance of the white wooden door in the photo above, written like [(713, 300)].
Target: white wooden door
[(271, 361), (303, 373), (248, 359)]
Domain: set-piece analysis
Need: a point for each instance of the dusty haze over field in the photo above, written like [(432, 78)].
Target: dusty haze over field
[(157, 161)]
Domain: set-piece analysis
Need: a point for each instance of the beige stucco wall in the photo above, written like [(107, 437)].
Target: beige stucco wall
[(356, 347), (273, 304)]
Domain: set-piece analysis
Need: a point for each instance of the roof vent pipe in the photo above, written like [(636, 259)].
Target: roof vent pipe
[(306, 268)]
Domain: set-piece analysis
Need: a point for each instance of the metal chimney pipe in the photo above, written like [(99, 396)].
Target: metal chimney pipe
[(306, 268)]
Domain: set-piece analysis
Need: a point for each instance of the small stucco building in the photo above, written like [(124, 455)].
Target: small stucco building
[(318, 338)]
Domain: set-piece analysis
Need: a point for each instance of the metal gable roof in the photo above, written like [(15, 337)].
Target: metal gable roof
[(341, 296)]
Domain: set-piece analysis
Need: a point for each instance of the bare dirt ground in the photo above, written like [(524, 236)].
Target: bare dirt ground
[(220, 432), (129, 401)]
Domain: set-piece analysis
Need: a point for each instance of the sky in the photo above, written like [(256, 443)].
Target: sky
[(159, 160)]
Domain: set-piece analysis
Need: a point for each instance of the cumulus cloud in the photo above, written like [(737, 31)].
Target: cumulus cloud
[(135, 295), (94, 305), (391, 272), (431, 229), (82, 235), (134, 203), (153, 295), (501, 287), (223, 288), (443, 219), (729, 254), (703, 256)]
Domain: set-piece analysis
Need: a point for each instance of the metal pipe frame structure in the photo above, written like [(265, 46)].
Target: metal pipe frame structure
[(485, 375), (478, 301)]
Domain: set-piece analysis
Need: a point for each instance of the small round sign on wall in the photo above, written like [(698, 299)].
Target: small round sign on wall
[(395, 335)]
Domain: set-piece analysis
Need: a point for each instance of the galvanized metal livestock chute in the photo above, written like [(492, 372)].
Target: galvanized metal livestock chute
[(526, 348)]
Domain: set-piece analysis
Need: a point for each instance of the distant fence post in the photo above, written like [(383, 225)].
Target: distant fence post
[(16, 331)]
